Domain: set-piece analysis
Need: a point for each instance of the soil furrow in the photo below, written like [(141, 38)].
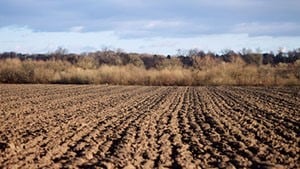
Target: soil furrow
[(97, 126), (68, 126), (257, 142)]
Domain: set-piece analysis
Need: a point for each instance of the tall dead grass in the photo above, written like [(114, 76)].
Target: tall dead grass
[(236, 73)]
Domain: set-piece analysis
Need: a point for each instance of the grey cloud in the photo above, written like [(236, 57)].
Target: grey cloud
[(144, 18)]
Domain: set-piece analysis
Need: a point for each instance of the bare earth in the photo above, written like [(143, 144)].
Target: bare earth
[(72, 126)]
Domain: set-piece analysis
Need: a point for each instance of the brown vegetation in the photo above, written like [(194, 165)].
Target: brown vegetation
[(168, 72), (109, 67), (96, 126)]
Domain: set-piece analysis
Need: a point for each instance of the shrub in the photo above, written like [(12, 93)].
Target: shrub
[(168, 72), (13, 71), (76, 75)]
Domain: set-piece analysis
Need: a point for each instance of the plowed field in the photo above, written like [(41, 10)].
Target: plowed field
[(78, 126)]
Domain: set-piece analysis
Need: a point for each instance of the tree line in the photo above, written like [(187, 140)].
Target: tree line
[(193, 67), (191, 58)]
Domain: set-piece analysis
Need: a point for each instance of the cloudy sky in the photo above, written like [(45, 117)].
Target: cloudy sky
[(148, 26)]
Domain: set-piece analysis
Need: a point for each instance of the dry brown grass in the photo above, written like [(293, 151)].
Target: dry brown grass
[(85, 72)]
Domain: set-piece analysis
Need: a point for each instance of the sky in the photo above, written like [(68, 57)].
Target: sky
[(148, 26)]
